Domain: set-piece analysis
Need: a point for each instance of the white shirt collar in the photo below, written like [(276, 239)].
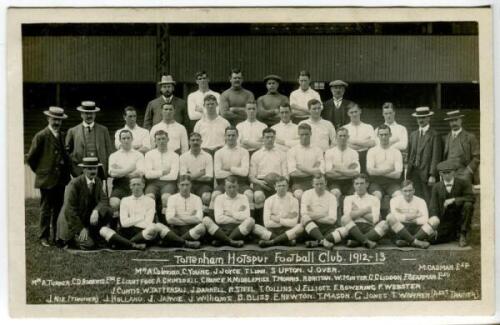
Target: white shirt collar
[(425, 128), (87, 125), (54, 132), (89, 181), (455, 133), (126, 127), (337, 100), (137, 198), (392, 124), (167, 99), (450, 183)]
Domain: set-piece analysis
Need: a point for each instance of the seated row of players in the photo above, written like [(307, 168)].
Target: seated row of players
[(86, 218)]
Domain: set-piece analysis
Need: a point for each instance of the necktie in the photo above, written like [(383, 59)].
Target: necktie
[(421, 133), (91, 187)]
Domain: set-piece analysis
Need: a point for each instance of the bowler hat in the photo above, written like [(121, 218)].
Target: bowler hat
[(90, 162), (422, 111), (453, 115), (339, 83), (88, 106), (168, 79), (272, 77), (55, 112), (446, 166)]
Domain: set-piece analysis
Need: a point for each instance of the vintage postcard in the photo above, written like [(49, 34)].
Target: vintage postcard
[(250, 162)]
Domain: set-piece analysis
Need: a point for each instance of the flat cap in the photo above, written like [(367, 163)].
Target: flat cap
[(339, 83), (272, 77), (446, 165)]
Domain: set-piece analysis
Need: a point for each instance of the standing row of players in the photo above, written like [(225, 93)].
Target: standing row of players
[(301, 162)]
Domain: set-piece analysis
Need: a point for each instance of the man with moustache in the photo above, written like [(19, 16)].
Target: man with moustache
[(233, 100), (49, 161), (211, 127), (301, 96), (195, 100), (335, 109), (287, 132), (268, 105), (250, 130), (177, 134), (89, 139), (424, 154), (323, 132), (141, 141), (86, 210), (153, 113), (462, 147), (198, 164)]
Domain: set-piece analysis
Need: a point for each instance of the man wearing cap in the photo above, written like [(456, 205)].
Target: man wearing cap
[(399, 135), (302, 95), (89, 139), (233, 100), (266, 162), (424, 153), (124, 164), (335, 109), (198, 164), (250, 130), (304, 161), (49, 161), (287, 134), (211, 127), (323, 131), (268, 105), (195, 100), (177, 134), (409, 219), (141, 141), (153, 113), (462, 147), (161, 170), (452, 201), (86, 210), (361, 135)]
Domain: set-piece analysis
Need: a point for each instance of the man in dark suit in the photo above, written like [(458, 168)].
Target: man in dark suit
[(424, 154), (86, 214), (49, 161), (335, 109), (89, 139), (462, 147), (452, 201), (153, 110)]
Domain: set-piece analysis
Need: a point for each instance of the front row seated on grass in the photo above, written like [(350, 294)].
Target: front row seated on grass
[(86, 220)]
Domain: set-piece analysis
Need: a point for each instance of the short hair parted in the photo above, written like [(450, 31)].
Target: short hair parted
[(138, 178), (343, 129), (252, 102), (161, 132), (184, 177), (353, 105), (319, 176), (268, 130), (235, 71), (312, 102), (281, 179), (305, 126), (125, 131), (231, 179), (200, 73), (194, 134), (285, 105), (231, 128), (407, 182), (209, 97), (361, 176), (129, 109), (388, 105), (304, 73), (384, 127)]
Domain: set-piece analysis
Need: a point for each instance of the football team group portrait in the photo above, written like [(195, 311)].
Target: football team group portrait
[(293, 160)]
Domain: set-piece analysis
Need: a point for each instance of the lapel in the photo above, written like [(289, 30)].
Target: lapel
[(426, 139), (52, 139), (447, 144), (97, 134)]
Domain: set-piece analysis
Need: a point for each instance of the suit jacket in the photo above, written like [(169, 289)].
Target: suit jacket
[(430, 153), (470, 146), (154, 108), (329, 109), (49, 160), (461, 191), (75, 146), (74, 213)]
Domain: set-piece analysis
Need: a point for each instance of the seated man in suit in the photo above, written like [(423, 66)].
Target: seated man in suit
[(452, 201), (362, 216), (281, 217), (232, 213), (318, 210), (86, 209), (138, 228), (409, 219)]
